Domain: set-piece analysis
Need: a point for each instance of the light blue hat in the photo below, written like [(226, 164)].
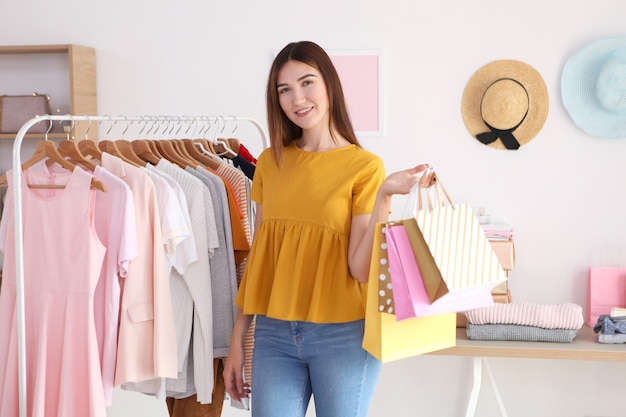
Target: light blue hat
[(593, 88)]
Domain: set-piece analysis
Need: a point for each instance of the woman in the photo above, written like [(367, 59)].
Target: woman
[(319, 196)]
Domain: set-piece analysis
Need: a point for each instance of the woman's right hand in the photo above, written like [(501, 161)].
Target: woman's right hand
[(233, 374), (233, 368)]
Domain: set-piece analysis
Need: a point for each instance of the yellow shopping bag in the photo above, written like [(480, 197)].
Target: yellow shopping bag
[(388, 339)]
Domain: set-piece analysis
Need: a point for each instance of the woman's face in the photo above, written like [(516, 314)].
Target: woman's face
[(302, 95)]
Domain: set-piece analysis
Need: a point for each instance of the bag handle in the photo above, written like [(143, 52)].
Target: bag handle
[(429, 191)]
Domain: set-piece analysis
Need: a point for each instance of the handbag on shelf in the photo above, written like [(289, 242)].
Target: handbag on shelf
[(17, 110), (452, 251), (388, 339)]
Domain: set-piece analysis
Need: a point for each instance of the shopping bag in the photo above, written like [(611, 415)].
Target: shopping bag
[(385, 292), (405, 276), (388, 339), (450, 245), (434, 284), (607, 289), (409, 292)]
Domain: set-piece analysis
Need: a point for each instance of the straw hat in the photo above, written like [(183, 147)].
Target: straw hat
[(505, 104), (593, 88)]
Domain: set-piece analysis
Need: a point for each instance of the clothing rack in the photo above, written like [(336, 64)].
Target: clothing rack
[(17, 193)]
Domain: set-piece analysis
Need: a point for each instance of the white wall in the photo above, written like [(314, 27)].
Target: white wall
[(562, 192)]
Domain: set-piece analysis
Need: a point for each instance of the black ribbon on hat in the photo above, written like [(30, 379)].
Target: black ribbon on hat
[(506, 136)]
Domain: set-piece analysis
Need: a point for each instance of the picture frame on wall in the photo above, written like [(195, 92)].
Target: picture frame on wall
[(360, 72)]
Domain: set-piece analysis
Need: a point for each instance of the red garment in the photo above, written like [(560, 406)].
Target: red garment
[(245, 154)]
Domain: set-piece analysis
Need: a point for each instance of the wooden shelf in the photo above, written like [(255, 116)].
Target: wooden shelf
[(34, 49), (81, 74), (585, 347)]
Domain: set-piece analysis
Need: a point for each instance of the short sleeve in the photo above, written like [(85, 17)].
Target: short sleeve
[(366, 186), (256, 192)]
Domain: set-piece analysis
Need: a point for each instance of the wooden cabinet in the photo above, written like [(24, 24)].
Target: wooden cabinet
[(66, 72)]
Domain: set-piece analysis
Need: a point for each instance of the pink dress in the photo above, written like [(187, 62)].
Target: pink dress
[(62, 262)]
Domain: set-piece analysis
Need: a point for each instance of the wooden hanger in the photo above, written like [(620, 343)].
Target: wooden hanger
[(144, 151), (89, 148), (234, 144), (126, 148), (148, 145), (222, 149), (182, 150), (111, 147), (47, 150), (155, 150), (70, 151), (168, 151), (207, 145), (194, 151)]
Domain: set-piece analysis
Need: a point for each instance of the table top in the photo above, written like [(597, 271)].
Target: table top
[(585, 346)]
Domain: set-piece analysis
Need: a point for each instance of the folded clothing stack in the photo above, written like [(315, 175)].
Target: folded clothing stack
[(497, 231), (526, 322), (612, 328)]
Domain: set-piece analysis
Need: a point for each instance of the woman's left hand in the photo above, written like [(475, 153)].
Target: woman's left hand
[(401, 182)]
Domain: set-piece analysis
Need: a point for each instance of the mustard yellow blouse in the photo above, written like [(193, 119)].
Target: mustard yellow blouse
[(298, 264)]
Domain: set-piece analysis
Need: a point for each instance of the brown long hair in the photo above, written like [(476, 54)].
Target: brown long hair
[(282, 130)]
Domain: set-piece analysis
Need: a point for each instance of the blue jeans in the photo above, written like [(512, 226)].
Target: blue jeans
[(293, 360)]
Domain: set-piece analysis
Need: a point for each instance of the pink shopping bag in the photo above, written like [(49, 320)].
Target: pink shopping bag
[(409, 293), (607, 289)]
